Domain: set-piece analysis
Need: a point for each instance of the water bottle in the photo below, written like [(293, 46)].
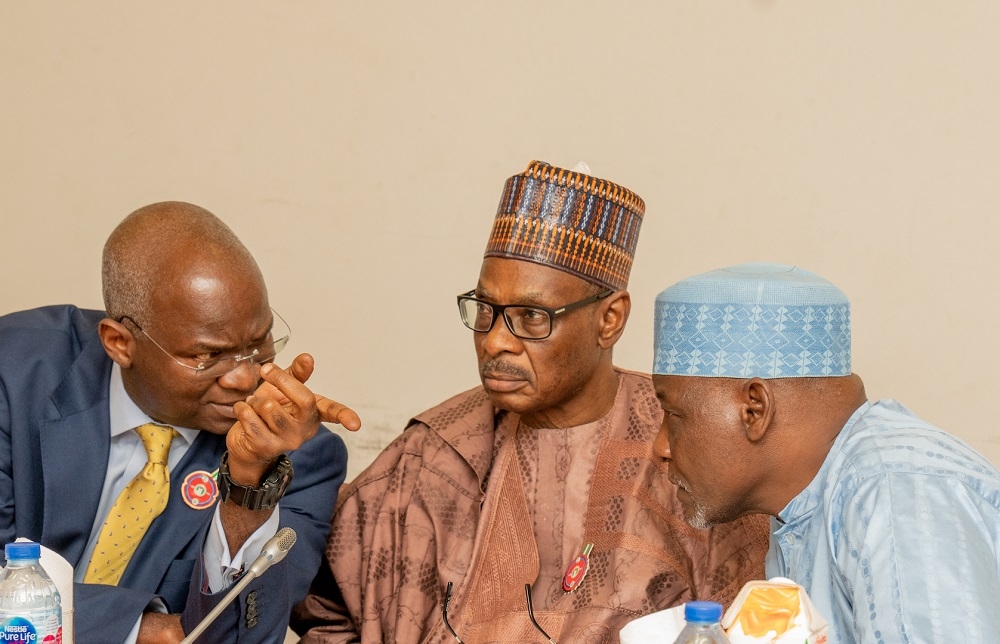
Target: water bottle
[(702, 624), (30, 609)]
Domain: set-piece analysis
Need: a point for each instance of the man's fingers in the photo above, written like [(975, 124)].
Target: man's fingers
[(302, 367), (252, 437), (273, 414), (332, 411), (289, 385), (290, 427)]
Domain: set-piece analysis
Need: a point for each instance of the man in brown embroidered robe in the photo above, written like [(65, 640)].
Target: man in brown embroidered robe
[(541, 477)]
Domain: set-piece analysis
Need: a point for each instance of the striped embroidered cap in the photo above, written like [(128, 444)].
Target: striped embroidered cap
[(753, 320), (568, 220)]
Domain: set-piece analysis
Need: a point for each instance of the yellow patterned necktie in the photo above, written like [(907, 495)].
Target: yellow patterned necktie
[(142, 500)]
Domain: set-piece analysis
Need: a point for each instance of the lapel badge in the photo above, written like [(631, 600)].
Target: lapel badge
[(199, 490), (577, 570)]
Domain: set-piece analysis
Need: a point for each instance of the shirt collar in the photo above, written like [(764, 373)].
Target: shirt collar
[(809, 499), (126, 415)]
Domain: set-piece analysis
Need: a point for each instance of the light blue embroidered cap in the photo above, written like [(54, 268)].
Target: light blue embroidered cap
[(753, 320)]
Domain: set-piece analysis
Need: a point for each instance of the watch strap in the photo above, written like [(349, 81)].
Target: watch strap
[(264, 497)]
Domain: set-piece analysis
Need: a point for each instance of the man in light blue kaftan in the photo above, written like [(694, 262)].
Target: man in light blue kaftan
[(896, 539), (891, 525)]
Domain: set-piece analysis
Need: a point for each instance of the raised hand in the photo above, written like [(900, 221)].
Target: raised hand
[(279, 417)]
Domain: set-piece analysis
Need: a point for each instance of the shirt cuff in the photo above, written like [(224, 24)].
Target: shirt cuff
[(220, 568)]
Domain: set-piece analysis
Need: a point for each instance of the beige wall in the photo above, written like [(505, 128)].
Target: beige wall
[(359, 150)]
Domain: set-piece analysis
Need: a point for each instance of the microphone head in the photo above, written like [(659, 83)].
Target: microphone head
[(273, 551), (286, 538)]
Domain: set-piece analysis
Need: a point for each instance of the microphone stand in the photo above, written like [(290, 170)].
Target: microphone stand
[(273, 551)]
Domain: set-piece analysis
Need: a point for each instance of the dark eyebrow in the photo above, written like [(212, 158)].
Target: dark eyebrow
[(533, 298), (666, 406), (208, 346)]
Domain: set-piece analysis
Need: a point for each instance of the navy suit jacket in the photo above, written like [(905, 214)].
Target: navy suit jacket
[(54, 445)]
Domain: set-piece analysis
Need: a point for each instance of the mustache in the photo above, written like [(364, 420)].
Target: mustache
[(497, 367)]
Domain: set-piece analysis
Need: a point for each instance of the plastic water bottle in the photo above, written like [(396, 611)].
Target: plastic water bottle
[(702, 624), (30, 608)]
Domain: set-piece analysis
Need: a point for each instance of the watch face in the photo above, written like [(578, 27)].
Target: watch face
[(275, 476), (281, 472)]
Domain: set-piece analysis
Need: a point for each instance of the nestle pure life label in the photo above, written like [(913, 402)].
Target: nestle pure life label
[(36, 627)]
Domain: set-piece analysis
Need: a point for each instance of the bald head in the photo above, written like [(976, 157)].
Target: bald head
[(161, 243)]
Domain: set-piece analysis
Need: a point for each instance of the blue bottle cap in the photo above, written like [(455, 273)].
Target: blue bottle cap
[(702, 612), (22, 550)]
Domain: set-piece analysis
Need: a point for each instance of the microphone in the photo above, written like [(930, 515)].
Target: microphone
[(273, 551)]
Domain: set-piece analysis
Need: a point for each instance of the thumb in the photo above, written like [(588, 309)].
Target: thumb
[(302, 367)]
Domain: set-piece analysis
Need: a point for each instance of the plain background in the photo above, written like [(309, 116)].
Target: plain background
[(359, 150)]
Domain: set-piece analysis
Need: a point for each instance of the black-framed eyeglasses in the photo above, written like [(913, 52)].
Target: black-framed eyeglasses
[(218, 364), (531, 614), (528, 322)]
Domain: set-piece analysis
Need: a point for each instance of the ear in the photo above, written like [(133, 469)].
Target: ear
[(757, 410), (614, 315), (118, 341)]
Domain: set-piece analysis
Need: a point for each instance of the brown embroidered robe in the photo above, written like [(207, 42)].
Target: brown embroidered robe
[(470, 496)]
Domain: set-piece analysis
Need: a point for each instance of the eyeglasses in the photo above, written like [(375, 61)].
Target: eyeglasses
[(525, 322), (216, 364), (531, 614)]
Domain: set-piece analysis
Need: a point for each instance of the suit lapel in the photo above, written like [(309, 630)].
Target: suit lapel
[(74, 447)]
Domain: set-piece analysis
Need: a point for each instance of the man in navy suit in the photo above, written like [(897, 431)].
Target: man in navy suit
[(186, 344)]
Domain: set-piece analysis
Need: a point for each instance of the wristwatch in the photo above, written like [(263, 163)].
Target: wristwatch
[(264, 497)]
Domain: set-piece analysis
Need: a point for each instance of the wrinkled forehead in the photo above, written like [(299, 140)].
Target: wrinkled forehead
[(522, 281), (679, 389)]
